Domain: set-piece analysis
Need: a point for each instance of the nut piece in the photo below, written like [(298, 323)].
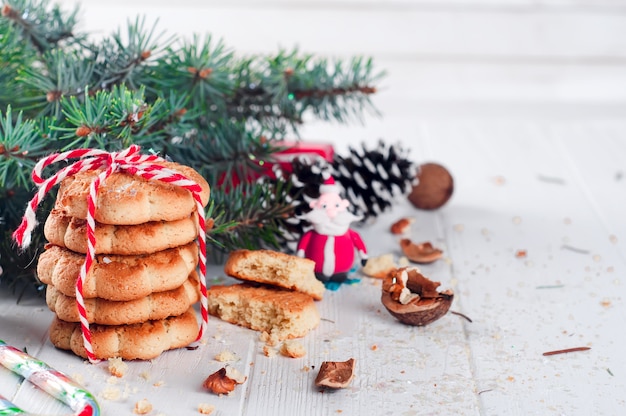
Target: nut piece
[(434, 188), (413, 299), (420, 253), (336, 375), (402, 226), (224, 380)]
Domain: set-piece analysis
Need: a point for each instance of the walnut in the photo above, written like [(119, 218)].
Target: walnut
[(434, 188), (224, 380)]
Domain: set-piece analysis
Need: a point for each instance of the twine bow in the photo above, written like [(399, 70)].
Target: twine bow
[(131, 162)]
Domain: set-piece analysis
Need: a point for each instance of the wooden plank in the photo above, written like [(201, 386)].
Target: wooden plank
[(551, 299), (485, 34)]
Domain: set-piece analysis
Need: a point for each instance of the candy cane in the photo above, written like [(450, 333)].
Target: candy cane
[(53, 382), (131, 162)]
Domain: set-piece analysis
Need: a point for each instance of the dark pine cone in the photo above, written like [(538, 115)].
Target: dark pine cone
[(371, 179)]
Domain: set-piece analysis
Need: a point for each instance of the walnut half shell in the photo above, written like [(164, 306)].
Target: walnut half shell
[(421, 253), (426, 306), (335, 374)]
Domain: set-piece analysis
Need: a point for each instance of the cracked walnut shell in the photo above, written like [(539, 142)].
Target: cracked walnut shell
[(413, 299), (421, 253)]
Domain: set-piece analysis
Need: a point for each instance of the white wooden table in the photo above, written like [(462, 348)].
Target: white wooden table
[(524, 102)]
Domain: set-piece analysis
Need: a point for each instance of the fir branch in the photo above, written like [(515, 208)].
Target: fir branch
[(13, 57), (61, 75), (200, 68), (110, 120), (126, 58), (19, 150), (43, 26), (255, 214), (224, 152), (285, 86)]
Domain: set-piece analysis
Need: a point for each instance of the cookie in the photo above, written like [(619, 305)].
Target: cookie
[(125, 199), (142, 341), (118, 278), (275, 268), (144, 238), (155, 306), (281, 313)]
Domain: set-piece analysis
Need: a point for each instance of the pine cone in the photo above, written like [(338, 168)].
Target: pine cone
[(371, 179)]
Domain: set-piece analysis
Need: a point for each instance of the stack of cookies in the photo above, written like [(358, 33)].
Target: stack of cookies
[(140, 291), (276, 298)]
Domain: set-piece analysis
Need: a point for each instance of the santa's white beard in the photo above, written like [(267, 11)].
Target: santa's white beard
[(326, 225)]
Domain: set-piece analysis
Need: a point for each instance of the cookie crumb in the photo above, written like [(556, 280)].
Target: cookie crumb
[(226, 356), (269, 351), (142, 407), (205, 408), (111, 393), (292, 349), (117, 367), (269, 339)]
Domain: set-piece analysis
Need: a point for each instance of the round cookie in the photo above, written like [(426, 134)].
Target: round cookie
[(130, 342), (125, 199), (118, 278), (144, 238), (155, 306)]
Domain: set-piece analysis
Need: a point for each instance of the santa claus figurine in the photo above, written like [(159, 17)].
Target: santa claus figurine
[(331, 244)]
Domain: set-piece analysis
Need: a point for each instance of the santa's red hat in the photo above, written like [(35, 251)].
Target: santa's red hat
[(329, 187)]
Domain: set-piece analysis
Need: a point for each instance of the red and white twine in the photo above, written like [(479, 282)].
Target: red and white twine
[(129, 161)]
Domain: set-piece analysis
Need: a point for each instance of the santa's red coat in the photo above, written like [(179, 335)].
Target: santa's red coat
[(331, 254)]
